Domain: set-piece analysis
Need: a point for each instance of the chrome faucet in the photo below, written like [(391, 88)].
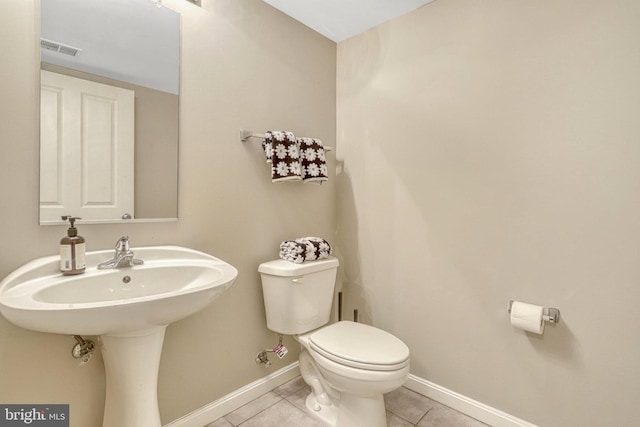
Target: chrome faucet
[(122, 258)]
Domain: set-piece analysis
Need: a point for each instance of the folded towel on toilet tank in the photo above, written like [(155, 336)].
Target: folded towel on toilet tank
[(305, 249)]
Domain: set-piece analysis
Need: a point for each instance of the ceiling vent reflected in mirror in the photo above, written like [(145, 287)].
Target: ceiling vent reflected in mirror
[(60, 47)]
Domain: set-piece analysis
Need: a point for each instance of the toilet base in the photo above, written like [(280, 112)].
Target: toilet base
[(349, 411), (327, 414)]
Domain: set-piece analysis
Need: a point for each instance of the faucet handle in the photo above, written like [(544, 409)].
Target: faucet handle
[(123, 244)]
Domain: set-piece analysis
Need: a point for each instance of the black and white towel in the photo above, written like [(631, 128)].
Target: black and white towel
[(305, 249), (283, 152), (313, 161)]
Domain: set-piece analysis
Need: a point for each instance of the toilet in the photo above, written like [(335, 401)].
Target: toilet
[(348, 365)]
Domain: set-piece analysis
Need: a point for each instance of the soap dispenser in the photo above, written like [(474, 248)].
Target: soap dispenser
[(72, 250)]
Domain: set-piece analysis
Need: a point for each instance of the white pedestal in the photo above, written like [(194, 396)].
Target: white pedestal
[(131, 364)]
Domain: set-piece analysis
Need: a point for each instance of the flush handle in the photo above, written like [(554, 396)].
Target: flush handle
[(298, 279)]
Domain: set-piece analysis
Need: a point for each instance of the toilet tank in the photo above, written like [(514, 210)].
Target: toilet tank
[(298, 297)]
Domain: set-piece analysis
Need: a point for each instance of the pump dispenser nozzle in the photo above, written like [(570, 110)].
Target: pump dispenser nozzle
[(72, 231)]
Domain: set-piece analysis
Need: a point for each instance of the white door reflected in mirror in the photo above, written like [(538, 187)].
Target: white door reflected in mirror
[(87, 149)]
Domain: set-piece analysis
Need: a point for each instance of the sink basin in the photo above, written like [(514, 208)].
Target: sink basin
[(128, 308), (173, 283), (135, 284)]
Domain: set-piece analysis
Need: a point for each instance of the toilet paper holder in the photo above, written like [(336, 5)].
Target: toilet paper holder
[(551, 315)]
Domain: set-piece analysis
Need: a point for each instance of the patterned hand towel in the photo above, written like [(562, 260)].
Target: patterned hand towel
[(282, 151), (314, 166), (305, 249)]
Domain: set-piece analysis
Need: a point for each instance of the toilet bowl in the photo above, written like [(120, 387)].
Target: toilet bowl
[(357, 364), (348, 365)]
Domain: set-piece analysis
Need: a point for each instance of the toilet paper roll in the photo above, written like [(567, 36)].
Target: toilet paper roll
[(527, 317)]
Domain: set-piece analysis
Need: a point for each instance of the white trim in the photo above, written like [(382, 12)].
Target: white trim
[(466, 405), (112, 221), (232, 401)]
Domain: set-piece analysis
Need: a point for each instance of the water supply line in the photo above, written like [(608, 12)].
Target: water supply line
[(83, 349), (279, 350)]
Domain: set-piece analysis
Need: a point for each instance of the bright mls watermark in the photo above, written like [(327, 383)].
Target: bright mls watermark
[(34, 415)]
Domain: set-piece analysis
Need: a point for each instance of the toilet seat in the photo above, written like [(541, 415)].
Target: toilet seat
[(360, 346)]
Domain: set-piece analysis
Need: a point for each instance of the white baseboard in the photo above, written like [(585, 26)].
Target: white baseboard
[(232, 401), (464, 404)]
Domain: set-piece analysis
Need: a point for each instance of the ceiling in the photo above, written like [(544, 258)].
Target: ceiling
[(105, 31), (339, 20), (129, 40)]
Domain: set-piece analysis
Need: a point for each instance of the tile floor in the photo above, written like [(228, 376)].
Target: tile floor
[(284, 407)]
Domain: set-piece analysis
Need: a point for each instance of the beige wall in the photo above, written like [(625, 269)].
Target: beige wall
[(491, 152), (244, 65)]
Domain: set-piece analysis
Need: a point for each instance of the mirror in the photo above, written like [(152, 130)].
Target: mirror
[(109, 110)]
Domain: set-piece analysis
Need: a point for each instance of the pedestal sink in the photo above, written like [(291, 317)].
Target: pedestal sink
[(128, 308)]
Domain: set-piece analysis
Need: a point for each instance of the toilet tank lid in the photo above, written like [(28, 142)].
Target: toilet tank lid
[(280, 267)]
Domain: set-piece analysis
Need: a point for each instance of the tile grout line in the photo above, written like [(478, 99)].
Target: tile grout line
[(269, 407), (403, 418), (254, 415), (259, 412), (424, 415)]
